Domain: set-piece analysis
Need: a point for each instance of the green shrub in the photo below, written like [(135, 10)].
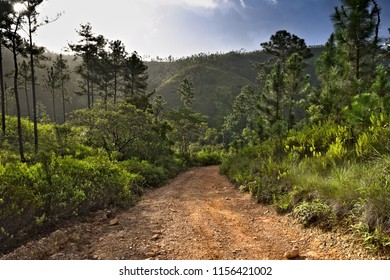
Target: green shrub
[(154, 176), (376, 195), (314, 140), (375, 239), (375, 141), (239, 167), (314, 213), (257, 172), (89, 184), (339, 185), (35, 194), (205, 158), (287, 202), (20, 201)]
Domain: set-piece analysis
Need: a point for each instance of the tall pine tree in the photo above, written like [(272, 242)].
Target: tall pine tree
[(356, 25)]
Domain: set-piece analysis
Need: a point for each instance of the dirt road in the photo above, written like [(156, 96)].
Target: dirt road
[(199, 215)]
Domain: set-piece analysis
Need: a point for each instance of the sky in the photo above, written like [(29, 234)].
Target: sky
[(184, 27)]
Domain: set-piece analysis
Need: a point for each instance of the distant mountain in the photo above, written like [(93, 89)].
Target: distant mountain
[(217, 78)]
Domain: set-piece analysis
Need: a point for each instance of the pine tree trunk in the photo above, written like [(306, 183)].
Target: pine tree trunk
[(115, 86), (16, 92), (88, 89), (92, 95), (2, 87), (27, 99), (35, 117), (54, 106), (63, 100)]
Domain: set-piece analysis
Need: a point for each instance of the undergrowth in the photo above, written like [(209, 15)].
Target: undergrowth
[(326, 175)]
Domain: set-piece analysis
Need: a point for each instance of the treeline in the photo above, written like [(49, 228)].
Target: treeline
[(97, 157), (320, 152)]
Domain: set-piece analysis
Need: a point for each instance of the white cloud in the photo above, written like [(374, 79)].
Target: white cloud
[(243, 3), (273, 1), (207, 4), (155, 27)]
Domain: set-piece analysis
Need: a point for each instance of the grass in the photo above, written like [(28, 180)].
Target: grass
[(323, 181)]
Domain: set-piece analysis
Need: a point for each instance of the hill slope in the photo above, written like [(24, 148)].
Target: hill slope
[(217, 79)]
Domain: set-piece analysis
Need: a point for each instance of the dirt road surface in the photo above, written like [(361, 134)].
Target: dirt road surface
[(198, 216)]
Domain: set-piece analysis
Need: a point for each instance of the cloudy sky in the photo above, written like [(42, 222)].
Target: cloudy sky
[(185, 27)]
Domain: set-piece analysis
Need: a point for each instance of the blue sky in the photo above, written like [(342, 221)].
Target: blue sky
[(184, 27)]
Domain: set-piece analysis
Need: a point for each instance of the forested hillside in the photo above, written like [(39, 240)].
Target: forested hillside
[(217, 78), (303, 129)]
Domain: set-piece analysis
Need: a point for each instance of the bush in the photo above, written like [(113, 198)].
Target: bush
[(314, 213), (256, 172), (93, 183), (239, 167), (376, 196), (374, 239), (375, 141), (242, 166), (318, 140), (204, 158), (38, 194), (20, 201), (153, 176), (287, 202)]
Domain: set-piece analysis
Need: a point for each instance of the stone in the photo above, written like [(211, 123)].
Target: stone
[(292, 254), (155, 237), (114, 222)]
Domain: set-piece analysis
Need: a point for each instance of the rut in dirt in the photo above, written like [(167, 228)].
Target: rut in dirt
[(200, 215)]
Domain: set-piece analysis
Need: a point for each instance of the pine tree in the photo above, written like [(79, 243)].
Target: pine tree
[(296, 85), (52, 83), (332, 69), (25, 73), (186, 91), (63, 73), (272, 95), (117, 58), (103, 74), (16, 44), (5, 10), (87, 49), (356, 25), (281, 77), (135, 78), (381, 87), (34, 52), (284, 44)]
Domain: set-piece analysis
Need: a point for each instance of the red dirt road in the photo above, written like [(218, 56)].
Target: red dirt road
[(199, 215)]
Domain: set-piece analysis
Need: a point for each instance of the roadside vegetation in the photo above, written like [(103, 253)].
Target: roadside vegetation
[(103, 155), (321, 153)]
